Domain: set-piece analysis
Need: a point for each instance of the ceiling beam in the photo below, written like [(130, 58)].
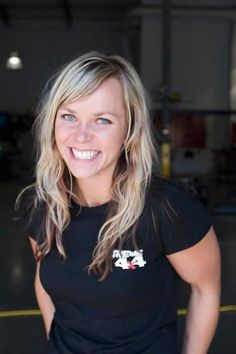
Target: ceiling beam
[(64, 9), (179, 10), (4, 16), (67, 12)]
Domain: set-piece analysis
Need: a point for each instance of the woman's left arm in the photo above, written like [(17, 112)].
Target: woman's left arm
[(199, 265)]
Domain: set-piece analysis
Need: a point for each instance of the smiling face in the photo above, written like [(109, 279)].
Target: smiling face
[(90, 132)]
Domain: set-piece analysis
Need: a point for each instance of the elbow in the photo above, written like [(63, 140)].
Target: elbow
[(210, 293), (210, 285)]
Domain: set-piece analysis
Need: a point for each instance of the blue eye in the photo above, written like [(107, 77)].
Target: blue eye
[(104, 121), (69, 117)]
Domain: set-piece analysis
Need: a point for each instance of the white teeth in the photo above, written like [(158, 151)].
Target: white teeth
[(84, 155)]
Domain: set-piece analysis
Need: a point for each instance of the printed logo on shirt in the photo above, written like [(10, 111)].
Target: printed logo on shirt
[(127, 259)]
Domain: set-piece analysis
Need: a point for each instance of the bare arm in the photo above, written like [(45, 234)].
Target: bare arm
[(44, 301), (200, 266)]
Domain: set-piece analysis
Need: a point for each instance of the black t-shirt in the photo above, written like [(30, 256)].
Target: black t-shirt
[(134, 309)]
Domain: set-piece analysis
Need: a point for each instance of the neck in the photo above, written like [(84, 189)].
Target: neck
[(92, 194)]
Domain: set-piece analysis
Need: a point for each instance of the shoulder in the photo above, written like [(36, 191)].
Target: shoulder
[(168, 185), (182, 218), (166, 194)]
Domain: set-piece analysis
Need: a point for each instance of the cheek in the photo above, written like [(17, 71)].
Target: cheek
[(59, 140), (60, 134), (57, 132), (114, 143), (122, 138), (116, 138)]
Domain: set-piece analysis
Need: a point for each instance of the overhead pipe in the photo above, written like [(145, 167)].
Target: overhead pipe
[(228, 12)]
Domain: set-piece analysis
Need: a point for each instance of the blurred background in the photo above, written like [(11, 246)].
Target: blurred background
[(185, 53)]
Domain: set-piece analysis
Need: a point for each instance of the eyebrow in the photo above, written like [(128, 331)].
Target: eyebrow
[(106, 112), (96, 114), (67, 109)]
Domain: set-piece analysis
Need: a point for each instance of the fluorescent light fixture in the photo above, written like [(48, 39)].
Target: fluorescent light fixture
[(14, 62)]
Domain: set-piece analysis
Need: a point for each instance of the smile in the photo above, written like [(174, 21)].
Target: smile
[(84, 155)]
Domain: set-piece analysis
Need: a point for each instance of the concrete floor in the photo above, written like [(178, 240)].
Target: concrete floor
[(25, 335)]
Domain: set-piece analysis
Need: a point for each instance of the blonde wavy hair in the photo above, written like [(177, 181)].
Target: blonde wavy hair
[(132, 176)]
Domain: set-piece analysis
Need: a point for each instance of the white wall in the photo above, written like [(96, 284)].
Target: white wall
[(200, 48), (151, 40), (233, 71), (200, 59)]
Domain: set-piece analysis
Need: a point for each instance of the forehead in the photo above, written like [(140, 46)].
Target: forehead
[(109, 96)]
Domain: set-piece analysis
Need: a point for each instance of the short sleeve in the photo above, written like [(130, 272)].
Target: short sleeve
[(186, 222)]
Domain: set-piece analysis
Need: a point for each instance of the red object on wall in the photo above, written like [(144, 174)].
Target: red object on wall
[(234, 134), (188, 131)]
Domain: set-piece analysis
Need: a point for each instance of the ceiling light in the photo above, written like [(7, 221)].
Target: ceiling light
[(14, 62)]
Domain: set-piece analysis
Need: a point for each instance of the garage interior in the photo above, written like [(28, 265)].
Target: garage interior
[(185, 53)]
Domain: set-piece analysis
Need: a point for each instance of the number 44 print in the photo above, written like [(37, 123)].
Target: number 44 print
[(126, 259)]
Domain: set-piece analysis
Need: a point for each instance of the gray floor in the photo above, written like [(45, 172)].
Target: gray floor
[(25, 335)]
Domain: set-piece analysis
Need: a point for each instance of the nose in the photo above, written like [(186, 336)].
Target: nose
[(83, 133)]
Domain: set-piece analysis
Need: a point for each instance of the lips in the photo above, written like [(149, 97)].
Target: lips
[(84, 154)]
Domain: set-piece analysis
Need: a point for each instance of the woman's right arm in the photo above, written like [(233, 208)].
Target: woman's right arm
[(44, 301)]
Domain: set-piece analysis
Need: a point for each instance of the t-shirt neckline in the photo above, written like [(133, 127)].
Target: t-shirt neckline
[(89, 210)]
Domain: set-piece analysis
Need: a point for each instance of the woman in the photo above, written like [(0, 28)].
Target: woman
[(111, 239)]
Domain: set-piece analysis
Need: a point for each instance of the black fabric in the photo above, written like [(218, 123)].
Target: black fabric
[(32, 216), (134, 309)]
